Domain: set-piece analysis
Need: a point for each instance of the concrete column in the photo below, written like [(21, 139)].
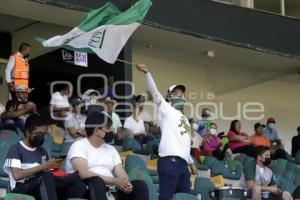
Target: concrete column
[(282, 7), (247, 3)]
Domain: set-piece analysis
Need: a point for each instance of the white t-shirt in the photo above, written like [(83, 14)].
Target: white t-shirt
[(100, 160), (176, 131), (77, 122), (263, 177), (175, 127), (116, 122), (59, 100), (137, 127)]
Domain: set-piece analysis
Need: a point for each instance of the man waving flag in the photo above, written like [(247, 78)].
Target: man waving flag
[(104, 31)]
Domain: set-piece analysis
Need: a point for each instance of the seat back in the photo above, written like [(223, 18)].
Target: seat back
[(14, 196), (184, 196), (134, 161), (7, 139), (204, 186), (131, 144)]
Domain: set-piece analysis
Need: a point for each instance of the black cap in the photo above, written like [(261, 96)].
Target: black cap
[(98, 119), (258, 124)]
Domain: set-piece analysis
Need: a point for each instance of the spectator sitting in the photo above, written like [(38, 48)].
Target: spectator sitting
[(28, 166), (99, 164), (59, 105), (239, 142), (204, 123), (136, 125), (212, 144), (17, 110), (258, 138), (75, 125), (149, 113), (296, 143), (258, 178), (271, 132), (90, 97), (116, 122)]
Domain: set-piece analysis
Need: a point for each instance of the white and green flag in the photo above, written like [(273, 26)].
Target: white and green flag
[(104, 31)]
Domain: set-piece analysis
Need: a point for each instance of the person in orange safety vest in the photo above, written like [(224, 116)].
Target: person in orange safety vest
[(17, 69)]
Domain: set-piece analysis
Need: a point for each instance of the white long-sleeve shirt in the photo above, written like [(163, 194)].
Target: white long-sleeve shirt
[(10, 67), (175, 127)]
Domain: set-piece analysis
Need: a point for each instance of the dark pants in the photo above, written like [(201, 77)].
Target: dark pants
[(247, 149), (97, 190), (46, 186), (279, 154), (220, 153), (174, 177), (296, 194), (18, 123)]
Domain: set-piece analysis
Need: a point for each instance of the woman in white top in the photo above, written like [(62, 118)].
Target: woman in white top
[(135, 124), (75, 125), (59, 104)]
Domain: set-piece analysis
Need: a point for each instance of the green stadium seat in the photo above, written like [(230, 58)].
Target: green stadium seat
[(7, 139), (133, 145), (234, 170), (208, 161), (203, 186), (184, 196), (14, 196), (65, 147)]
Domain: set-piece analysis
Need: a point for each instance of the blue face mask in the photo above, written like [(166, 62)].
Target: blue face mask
[(271, 126)]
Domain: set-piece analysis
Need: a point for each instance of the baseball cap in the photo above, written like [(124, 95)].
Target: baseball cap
[(258, 124), (271, 120), (98, 119), (21, 88), (173, 87)]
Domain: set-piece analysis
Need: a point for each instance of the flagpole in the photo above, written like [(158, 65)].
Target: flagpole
[(127, 62)]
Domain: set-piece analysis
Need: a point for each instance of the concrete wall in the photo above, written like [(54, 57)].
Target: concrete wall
[(279, 99)]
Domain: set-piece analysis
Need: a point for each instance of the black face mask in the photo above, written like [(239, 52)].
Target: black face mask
[(109, 136), (26, 56), (37, 141), (267, 162), (141, 107), (205, 115)]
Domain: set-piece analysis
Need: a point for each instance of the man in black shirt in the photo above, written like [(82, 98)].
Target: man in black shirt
[(296, 143), (30, 169), (17, 110)]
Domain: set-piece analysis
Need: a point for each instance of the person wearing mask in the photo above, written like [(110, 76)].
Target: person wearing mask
[(212, 144), (30, 169), (75, 125), (276, 144), (116, 122), (204, 123), (60, 107), (175, 143), (99, 164), (258, 178), (239, 142), (271, 132), (296, 143), (18, 109), (17, 69)]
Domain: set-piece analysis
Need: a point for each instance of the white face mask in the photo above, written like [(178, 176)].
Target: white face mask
[(195, 126), (213, 131)]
